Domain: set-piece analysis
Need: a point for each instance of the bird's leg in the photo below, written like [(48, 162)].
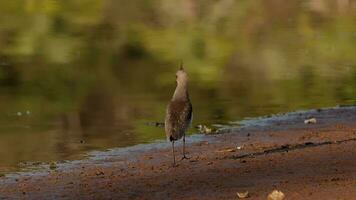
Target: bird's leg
[(174, 157), (184, 157)]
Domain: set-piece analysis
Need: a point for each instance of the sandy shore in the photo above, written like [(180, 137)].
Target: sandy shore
[(304, 161)]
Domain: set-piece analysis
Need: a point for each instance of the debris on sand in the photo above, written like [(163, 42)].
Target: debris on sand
[(230, 149), (203, 129), (310, 121), (226, 150), (98, 172), (243, 195), (240, 147), (276, 195), (206, 130), (52, 166)]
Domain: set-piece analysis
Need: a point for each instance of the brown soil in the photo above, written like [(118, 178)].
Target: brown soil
[(304, 161)]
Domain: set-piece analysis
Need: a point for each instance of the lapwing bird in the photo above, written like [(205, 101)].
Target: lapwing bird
[(179, 112)]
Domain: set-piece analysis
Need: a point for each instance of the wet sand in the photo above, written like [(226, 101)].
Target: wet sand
[(304, 161)]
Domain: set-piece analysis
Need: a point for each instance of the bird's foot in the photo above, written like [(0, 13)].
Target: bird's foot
[(174, 165), (185, 157)]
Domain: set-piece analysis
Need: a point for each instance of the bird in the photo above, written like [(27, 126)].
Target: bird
[(179, 112)]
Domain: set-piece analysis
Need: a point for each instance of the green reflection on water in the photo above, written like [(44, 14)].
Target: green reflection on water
[(92, 73)]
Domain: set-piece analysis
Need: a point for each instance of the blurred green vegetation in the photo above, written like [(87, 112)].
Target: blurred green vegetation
[(96, 70)]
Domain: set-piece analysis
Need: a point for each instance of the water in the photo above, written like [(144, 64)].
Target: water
[(77, 76)]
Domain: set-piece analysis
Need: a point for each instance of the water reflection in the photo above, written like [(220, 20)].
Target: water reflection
[(93, 73)]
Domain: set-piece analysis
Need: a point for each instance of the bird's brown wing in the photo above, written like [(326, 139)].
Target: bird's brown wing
[(178, 118)]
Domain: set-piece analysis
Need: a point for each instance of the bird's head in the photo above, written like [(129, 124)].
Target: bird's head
[(181, 76)]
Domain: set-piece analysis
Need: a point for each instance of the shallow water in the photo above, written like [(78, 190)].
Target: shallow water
[(77, 76)]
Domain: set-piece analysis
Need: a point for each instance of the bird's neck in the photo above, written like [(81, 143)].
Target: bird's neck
[(181, 92)]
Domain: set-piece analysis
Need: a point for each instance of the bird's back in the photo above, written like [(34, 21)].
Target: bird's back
[(178, 118)]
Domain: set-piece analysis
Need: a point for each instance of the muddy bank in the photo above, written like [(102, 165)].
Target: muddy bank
[(305, 161)]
